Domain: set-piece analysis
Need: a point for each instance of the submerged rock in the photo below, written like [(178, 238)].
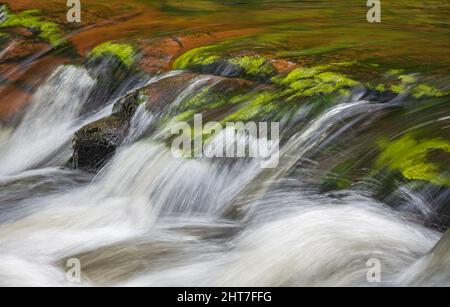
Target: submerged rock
[(207, 60), (162, 93)]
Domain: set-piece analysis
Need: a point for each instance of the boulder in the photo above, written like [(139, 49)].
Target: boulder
[(96, 143)]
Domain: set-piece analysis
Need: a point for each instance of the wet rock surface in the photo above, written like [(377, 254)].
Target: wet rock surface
[(19, 49), (96, 143), (163, 92)]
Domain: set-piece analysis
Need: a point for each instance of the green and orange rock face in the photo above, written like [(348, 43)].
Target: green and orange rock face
[(34, 21)]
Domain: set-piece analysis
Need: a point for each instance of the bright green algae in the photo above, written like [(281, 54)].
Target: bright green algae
[(32, 19), (410, 156), (124, 52)]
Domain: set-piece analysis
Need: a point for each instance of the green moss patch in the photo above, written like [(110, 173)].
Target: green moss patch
[(32, 20), (261, 106), (198, 56), (253, 66), (123, 52), (425, 90), (407, 83), (313, 81), (411, 158)]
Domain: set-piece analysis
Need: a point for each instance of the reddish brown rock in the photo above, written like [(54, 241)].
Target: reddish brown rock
[(283, 66), (19, 49), (164, 92), (158, 55), (16, 78), (21, 31), (12, 99)]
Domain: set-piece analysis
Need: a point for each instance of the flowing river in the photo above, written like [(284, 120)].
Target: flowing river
[(148, 218)]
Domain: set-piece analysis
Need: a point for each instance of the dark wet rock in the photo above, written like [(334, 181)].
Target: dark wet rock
[(438, 198), (96, 143), (379, 97), (127, 105)]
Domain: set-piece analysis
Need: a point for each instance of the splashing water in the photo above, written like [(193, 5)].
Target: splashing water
[(148, 218)]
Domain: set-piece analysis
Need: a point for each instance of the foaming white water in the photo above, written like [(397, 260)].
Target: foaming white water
[(289, 242), (196, 84), (141, 184), (307, 245), (140, 122), (431, 270), (175, 185), (319, 130), (49, 122), (306, 140), (148, 219)]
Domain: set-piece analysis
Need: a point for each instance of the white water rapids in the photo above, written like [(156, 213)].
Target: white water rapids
[(149, 219)]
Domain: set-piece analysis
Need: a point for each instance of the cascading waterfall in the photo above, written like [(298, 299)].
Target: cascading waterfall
[(89, 168), (49, 122), (149, 210)]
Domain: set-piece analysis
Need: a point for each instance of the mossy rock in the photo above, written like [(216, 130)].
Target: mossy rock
[(198, 56), (399, 82), (413, 158), (316, 81), (34, 21), (125, 53), (208, 59)]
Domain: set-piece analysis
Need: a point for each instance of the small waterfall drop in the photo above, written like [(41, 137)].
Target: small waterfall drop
[(49, 122)]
